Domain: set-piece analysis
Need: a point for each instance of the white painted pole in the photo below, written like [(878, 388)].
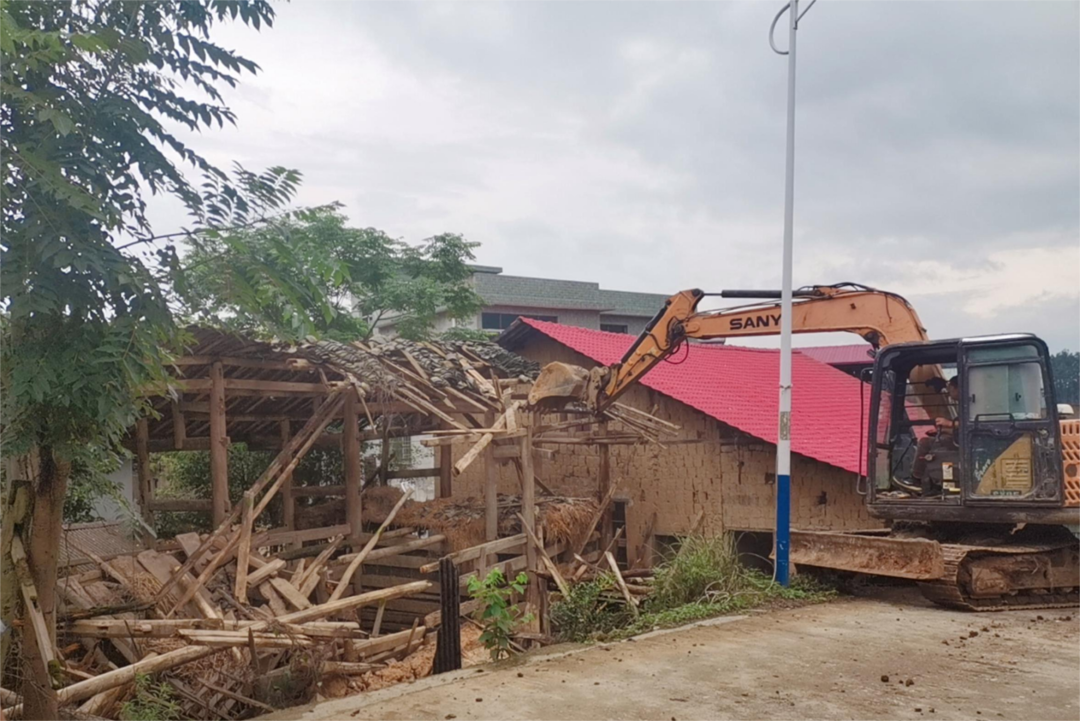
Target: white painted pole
[(783, 444)]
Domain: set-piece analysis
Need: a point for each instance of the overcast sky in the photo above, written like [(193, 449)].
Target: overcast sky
[(641, 145)]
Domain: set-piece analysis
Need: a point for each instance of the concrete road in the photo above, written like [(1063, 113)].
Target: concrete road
[(889, 657)]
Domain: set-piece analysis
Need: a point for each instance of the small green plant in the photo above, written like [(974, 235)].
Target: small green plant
[(592, 608), (151, 702), (497, 615)]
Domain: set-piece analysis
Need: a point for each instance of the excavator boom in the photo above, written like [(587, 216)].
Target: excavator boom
[(880, 317)]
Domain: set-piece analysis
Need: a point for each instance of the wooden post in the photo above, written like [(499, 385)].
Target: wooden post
[(446, 471), (528, 513), (219, 445), (179, 430), (288, 501), (142, 469), (243, 550), (491, 494), (350, 449), (603, 488)]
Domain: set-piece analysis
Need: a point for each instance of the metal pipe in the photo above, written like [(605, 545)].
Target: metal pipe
[(783, 441)]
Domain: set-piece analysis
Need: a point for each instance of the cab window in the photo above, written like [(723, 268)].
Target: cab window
[(1012, 389)]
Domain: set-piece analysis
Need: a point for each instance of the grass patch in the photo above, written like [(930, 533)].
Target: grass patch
[(702, 580)]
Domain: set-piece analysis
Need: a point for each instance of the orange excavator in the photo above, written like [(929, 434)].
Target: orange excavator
[(994, 523)]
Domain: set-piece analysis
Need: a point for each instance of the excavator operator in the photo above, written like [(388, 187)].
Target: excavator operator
[(944, 434)]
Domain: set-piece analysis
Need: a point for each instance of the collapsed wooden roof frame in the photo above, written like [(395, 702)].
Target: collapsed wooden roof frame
[(228, 389)]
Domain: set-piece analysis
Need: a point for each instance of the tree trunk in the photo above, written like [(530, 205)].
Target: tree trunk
[(39, 698)]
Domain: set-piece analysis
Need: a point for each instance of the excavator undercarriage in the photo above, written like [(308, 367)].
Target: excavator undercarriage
[(973, 571)]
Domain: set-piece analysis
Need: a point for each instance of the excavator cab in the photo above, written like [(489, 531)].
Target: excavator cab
[(996, 449)]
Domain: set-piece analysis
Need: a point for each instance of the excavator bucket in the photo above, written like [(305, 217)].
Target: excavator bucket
[(559, 384)]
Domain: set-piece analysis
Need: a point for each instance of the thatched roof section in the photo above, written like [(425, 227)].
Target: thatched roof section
[(266, 384)]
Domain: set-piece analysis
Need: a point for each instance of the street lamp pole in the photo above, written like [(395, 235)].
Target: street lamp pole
[(783, 444)]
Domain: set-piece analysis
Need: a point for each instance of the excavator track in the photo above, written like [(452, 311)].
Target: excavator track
[(951, 589)]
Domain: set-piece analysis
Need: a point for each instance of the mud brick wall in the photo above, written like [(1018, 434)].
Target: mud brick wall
[(716, 468)]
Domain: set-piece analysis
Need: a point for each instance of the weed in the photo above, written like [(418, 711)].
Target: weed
[(151, 702), (702, 580), (498, 617), (591, 608)]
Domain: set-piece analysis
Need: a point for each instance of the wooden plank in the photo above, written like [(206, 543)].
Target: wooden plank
[(351, 602), (257, 576), (392, 555), (473, 453), (289, 592), (219, 445), (630, 600), (311, 577), (277, 605), (354, 563), (244, 548), (501, 545)]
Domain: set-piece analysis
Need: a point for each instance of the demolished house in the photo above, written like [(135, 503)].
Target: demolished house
[(268, 608), (718, 473)]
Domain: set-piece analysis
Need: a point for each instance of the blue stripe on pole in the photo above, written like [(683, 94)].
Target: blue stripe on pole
[(783, 528)]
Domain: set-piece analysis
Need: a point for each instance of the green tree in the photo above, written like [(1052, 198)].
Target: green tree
[(311, 274), (86, 90), (1065, 366)]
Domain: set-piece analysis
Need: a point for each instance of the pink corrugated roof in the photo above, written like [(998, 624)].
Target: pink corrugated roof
[(840, 354), (738, 386)]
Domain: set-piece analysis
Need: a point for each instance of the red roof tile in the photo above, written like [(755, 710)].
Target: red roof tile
[(858, 353), (738, 386)]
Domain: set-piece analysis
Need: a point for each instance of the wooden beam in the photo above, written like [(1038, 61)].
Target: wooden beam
[(501, 545), (219, 446), (446, 471), (288, 500), (604, 489), (299, 365), (354, 564), (180, 505), (548, 563), (415, 473), (354, 472), (491, 493), (528, 514)]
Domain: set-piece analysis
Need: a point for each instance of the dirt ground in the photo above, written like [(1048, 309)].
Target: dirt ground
[(889, 656)]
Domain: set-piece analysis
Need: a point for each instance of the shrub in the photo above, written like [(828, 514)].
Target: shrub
[(498, 617)]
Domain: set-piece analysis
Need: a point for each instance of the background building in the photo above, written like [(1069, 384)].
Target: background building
[(568, 302)]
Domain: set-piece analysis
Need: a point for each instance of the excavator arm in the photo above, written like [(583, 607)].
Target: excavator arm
[(880, 317)]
